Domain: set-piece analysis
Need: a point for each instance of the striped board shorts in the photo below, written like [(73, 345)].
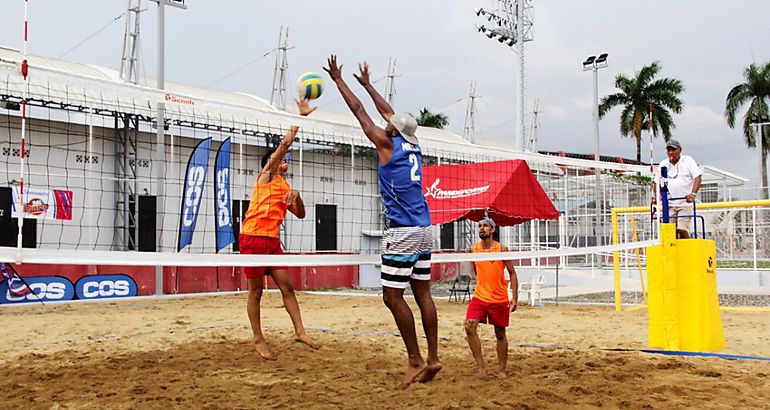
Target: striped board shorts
[(405, 255)]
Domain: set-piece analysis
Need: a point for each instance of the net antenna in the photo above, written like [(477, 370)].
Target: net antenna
[(23, 139), (511, 25), (469, 132), (390, 81), (278, 95), (131, 36)]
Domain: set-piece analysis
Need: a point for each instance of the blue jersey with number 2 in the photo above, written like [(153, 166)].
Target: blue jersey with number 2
[(401, 186)]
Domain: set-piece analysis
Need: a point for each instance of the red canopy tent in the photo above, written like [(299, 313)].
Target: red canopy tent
[(505, 190)]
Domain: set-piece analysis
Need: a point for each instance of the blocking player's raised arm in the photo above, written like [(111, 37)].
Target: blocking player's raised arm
[(375, 134), (385, 110)]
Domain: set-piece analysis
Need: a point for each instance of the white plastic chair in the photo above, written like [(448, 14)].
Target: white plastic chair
[(533, 294)]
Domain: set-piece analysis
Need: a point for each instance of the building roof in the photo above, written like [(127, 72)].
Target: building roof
[(713, 174), (95, 89)]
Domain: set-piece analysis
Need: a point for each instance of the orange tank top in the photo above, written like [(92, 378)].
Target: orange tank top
[(491, 286), (267, 208)]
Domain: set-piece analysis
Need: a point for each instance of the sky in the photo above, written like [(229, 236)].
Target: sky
[(705, 44)]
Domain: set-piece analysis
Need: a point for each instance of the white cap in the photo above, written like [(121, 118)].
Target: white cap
[(406, 126)]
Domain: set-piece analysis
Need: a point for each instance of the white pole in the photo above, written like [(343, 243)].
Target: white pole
[(301, 154), (22, 211), (89, 205), (760, 144), (520, 92), (160, 153), (754, 229), (171, 162), (242, 168), (597, 171)]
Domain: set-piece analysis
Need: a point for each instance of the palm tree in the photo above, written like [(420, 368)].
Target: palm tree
[(637, 95), (755, 91), (433, 120)]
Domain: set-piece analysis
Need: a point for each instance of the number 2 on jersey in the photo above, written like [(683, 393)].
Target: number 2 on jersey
[(415, 165)]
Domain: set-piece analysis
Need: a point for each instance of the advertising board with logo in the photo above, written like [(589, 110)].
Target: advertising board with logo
[(58, 288)]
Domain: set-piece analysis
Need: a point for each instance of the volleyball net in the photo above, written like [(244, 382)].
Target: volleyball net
[(92, 182)]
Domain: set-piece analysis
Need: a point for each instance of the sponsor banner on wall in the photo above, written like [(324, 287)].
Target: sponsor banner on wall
[(43, 289), (195, 179), (222, 208), (105, 286), (43, 203), (58, 289)]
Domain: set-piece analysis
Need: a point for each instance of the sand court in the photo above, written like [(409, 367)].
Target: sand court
[(195, 352)]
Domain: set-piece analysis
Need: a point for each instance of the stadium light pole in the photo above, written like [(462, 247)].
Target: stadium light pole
[(511, 24), (160, 143), (760, 121), (594, 63)]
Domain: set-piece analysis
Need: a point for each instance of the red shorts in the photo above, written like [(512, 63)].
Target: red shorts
[(496, 314), (259, 245)]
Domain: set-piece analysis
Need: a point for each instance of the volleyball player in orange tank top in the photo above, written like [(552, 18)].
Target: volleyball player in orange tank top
[(490, 302), (271, 198)]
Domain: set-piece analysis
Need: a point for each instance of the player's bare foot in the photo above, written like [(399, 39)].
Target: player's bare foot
[(304, 338), (502, 375), (481, 371), (263, 349), (412, 373), (430, 372)]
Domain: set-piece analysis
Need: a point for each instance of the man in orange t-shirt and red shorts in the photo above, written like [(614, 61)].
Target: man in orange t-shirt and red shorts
[(490, 302), (271, 198)]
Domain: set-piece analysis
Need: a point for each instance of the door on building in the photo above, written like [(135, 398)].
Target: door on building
[(240, 206), (325, 227), (147, 223), (9, 227), (448, 236)]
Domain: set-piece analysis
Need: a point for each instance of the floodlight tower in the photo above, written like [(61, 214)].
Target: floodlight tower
[(594, 63), (511, 24)]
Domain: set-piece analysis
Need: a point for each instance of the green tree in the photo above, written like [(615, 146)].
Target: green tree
[(636, 95), (431, 119), (756, 92)]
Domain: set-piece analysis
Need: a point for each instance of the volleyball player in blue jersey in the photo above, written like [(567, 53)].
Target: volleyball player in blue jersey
[(407, 240)]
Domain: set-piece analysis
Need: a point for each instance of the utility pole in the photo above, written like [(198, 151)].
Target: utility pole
[(534, 127), (278, 96), (469, 132), (130, 59), (390, 81)]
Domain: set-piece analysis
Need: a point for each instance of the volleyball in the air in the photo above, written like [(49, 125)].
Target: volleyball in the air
[(310, 85)]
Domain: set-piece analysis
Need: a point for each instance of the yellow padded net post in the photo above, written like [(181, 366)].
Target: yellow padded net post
[(682, 294)]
